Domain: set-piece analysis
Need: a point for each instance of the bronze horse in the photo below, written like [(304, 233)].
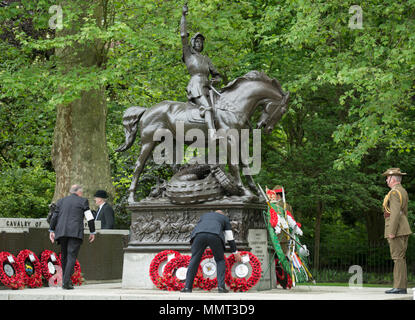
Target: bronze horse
[(234, 107)]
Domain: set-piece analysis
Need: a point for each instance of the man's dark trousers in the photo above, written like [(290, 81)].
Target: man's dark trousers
[(69, 250), (199, 244)]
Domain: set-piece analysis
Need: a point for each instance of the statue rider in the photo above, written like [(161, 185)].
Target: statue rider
[(199, 67)]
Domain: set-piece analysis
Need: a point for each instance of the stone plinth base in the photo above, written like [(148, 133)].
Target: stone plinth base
[(163, 226), (136, 270), (159, 226), (258, 241)]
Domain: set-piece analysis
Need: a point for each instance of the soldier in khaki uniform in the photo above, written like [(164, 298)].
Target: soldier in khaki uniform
[(397, 230)]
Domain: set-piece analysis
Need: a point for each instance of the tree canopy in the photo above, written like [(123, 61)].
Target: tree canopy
[(351, 113)]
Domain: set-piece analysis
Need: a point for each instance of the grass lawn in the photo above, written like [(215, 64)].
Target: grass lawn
[(346, 284)]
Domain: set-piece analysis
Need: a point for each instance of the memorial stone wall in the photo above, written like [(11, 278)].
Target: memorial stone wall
[(99, 260)]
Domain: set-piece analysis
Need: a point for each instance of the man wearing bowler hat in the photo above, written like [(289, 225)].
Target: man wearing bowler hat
[(105, 213), (397, 230)]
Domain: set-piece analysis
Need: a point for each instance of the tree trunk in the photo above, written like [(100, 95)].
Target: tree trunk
[(80, 148), (79, 151), (316, 259)]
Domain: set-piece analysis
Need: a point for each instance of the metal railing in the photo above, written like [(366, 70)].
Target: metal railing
[(335, 260)]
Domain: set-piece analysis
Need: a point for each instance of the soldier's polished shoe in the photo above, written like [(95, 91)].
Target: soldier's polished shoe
[(396, 291), (186, 290), (222, 290)]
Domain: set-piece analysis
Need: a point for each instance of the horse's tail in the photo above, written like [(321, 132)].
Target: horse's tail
[(130, 121)]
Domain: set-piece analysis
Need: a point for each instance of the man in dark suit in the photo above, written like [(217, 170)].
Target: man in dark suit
[(105, 213), (213, 230), (67, 228)]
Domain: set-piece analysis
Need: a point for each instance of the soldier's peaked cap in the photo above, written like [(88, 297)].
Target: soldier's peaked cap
[(393, 172)]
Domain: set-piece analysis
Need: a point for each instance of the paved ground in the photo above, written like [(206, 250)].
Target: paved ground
[(114, 291)]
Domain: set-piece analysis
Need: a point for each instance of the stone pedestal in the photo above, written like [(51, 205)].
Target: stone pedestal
[(258, 241), (136, 270), (161, 226)]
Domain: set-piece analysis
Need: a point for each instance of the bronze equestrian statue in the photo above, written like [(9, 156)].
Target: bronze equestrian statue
[(233, 108), (237, 103)]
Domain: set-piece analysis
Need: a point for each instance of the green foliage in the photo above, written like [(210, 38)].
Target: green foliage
[(26, 192), (366, 72), (352, 107)]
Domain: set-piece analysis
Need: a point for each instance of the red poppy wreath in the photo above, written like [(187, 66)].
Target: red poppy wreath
[(76, 277), (32, 273), (283, 278), (50, 265), (11, 271), (174, 274), (242, 281), (157, 266), (209, 269)]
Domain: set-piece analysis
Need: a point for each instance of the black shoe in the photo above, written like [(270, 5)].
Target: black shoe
[(67, 286), (396, 291), (186, 290), (222, 290)]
